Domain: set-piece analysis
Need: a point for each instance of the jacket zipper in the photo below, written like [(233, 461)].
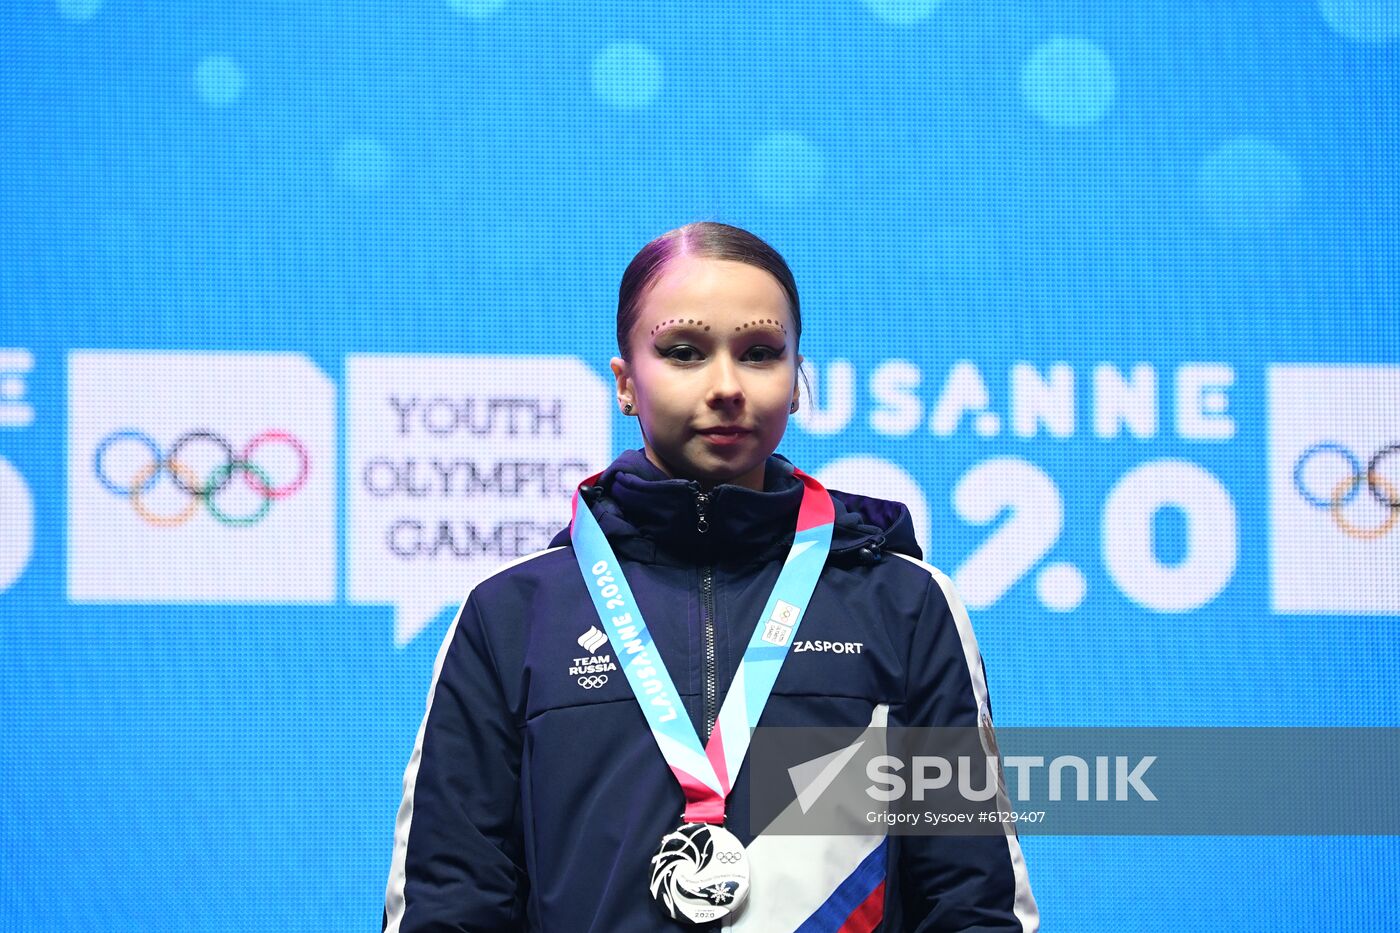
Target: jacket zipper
[(707, 614), (702, 524), (707, 593)]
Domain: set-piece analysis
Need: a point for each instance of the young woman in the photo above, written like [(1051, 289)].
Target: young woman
[(580, 764)]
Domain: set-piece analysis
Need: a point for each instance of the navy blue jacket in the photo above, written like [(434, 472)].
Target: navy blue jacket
[(535, 794)]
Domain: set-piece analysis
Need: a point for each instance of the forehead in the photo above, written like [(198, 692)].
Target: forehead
[(721, 290)]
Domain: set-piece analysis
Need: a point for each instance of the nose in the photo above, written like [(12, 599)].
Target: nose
[(726, 390)]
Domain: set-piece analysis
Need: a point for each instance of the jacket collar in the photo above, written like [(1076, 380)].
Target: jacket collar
[(649, 516)]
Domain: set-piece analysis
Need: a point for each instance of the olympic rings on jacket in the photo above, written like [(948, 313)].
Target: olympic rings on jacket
[(592, 681), (170, 463), (1381, 489)]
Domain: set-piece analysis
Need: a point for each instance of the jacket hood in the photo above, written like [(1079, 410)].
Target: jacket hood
[(650, 516)]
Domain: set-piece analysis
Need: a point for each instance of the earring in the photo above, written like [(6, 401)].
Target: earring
[(627, 409), (792, 408)]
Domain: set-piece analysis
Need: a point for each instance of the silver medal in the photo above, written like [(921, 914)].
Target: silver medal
[(700, 873)]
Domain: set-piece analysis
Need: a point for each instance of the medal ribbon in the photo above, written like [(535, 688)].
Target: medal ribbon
[(705, 774)]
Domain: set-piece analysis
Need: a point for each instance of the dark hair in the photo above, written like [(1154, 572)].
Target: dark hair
[(708, 240)]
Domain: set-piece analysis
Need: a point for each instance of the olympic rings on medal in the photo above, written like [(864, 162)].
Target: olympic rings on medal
[(184, 479), (592, 681), (1384, 491)]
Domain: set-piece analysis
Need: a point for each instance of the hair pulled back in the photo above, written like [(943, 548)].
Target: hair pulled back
[(707, 240)]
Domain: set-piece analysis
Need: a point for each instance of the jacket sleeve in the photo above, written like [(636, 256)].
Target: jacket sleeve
[(957, 882), (458, 860)]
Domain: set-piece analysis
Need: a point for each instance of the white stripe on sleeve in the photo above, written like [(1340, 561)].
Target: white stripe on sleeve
[(1024, 907), (394, 905)]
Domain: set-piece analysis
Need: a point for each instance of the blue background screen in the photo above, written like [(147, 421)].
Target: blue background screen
[(305, 316)]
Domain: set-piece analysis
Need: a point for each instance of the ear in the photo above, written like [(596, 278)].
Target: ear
[(796, 381), (622, 374)]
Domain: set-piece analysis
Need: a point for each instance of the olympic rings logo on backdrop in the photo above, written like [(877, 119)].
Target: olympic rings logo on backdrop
[(142, 480), (1349, 487)]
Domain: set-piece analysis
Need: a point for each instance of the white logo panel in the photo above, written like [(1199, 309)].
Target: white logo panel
[(1334, 486), (459, 464), (199, 477)]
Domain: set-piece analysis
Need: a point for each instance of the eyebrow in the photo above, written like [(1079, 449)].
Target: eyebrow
[(763, 322), (679, 322)]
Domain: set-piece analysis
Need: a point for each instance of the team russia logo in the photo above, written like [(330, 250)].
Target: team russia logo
[(592, 672), (201, 467)]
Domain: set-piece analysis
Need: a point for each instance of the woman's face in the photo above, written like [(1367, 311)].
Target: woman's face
[(713, 372)]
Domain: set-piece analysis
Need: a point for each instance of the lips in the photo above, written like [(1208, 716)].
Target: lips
[(722, 437)]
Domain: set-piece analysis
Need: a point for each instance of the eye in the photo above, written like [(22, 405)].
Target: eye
[(683, 353), (762, 354)]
